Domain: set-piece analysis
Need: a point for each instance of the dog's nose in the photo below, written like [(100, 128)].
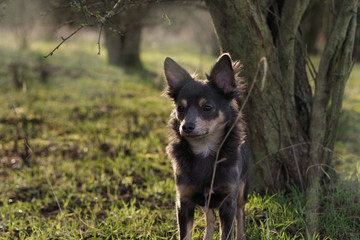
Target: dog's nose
[(188, 127)]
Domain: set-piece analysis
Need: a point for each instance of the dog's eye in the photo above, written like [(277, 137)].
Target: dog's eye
[(180, 109), (207, 108)]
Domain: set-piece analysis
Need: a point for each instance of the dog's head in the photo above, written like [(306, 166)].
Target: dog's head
[(202, 107)]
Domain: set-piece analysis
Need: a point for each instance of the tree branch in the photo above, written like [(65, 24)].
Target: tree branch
[(101, 27), (65, 39), (110, 11), (328, 69), (291, 15), (341, 71)]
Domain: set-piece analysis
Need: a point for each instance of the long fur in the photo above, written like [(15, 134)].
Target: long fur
[(193, 167)]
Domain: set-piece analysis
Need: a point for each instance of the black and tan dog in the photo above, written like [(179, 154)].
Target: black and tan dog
[(205, 111)]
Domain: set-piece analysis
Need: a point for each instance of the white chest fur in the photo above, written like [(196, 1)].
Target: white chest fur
[(206, 145)]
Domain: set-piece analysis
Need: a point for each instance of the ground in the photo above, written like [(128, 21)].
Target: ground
[(82, 152)]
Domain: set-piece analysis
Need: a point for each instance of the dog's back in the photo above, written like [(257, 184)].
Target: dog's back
[(205, 112)]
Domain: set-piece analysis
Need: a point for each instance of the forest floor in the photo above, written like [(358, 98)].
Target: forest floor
[(82, 153)]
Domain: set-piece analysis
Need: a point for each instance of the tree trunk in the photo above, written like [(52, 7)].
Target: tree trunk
[(286, 122), (123, 38), (357, 40), (312, 28), (334, 70)]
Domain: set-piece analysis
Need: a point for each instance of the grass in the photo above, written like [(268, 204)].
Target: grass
[(93, 164)]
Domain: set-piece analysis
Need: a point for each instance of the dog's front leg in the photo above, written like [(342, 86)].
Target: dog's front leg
[(240, 214), (210, 224), (227, 214), (185, 215)]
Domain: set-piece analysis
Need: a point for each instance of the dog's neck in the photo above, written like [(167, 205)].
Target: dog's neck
[(207, 145)]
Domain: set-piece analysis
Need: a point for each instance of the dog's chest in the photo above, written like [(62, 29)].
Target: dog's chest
[(203, 148), (198, 173), (197, 170), (196, 189), (206, 146)]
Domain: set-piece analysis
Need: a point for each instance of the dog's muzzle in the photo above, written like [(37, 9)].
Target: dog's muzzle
[(188, 127)]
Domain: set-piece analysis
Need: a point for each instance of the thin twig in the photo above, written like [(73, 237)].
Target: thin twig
[(295, 158), (311, 67), (116, 4), (267, 226), (64, 40), (28, 154), (290, 147), (264, 61), (86, 224), (83, 12), (333, 7), (322, 169), (101, 27), (58, 203), (231, 229), (115, 10)]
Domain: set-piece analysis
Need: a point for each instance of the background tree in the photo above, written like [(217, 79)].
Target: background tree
[(20, 16), (119, 21), (292, 127), (122, 23), (313, 25), (123, 37), (357, 40), (124, 31)]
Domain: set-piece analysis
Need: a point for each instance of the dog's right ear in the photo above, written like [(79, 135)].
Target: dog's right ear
[(176, 77), (222, 74)]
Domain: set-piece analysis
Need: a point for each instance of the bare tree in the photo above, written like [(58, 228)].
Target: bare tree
[(121, 21), (123, 37), (292, 128)]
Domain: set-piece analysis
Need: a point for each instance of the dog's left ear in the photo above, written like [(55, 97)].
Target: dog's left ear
[(222, 74), (176, 77)]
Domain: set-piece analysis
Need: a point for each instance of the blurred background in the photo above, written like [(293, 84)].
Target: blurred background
[(83, 123)]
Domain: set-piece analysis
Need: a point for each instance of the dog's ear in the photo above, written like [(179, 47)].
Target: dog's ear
[(176, 77), (222, 74)]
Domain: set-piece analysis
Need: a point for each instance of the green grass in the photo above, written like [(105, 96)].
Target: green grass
[(349, 129), (97, 168)]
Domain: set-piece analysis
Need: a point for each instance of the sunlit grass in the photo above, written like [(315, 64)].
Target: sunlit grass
[(349, 129), (97, 137)]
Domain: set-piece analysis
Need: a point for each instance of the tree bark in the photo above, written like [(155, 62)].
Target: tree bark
[(281, 119), (313, 29), (123, 38), (334, 70)]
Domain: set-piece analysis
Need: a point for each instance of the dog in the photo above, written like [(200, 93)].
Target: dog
[(204, 112)]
